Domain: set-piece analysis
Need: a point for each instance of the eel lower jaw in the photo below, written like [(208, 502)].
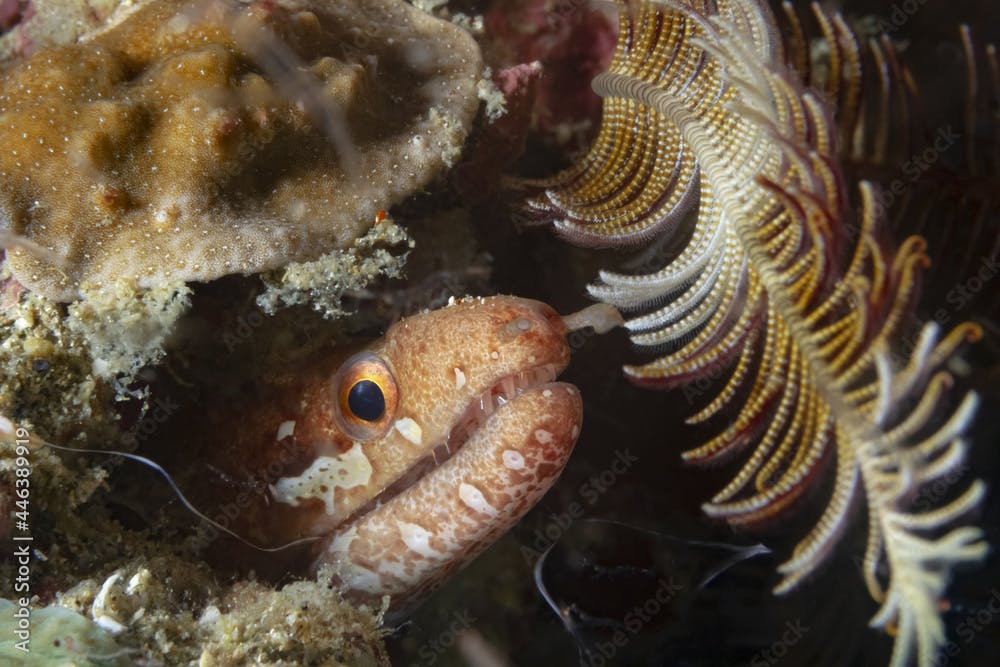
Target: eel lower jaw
[(476, 414)]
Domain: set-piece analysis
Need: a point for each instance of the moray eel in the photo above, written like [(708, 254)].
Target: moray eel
[(407, 458)]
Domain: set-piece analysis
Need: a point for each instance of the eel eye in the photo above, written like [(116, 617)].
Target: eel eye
[(367, 396)]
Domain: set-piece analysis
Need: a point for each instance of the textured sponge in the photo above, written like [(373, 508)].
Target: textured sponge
[(187, 143)]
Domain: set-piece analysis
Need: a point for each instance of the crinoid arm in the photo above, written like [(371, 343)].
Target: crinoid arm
[(786, 285)]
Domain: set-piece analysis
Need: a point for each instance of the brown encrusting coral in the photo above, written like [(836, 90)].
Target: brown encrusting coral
[(188, 143)]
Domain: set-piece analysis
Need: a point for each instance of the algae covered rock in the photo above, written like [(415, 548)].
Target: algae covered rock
[(184, 143), (58, 636), (165, 610), (32, 25)]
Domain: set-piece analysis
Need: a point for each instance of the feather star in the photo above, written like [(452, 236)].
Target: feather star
[(783, 285)]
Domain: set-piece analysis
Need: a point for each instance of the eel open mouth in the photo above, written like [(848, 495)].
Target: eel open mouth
[(480, 409), (600, 317)]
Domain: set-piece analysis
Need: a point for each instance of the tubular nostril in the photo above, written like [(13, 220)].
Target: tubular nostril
[(601, 317)]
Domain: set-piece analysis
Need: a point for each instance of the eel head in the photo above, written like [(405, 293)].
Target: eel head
[(433, 441)]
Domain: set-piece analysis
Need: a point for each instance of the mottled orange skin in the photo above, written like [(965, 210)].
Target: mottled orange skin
[(243, 459)]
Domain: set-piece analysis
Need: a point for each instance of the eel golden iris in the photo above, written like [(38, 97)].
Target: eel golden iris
[(404, 459)]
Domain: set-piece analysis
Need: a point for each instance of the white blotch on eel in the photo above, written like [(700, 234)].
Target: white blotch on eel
[(513, 459), (475, 500), (320, 480), (410, 430)]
